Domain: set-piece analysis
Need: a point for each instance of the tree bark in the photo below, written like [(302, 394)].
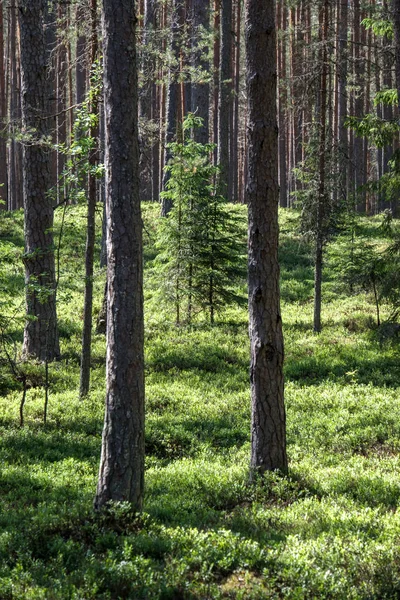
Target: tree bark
[(173, 101), (40, 334), (121, 473), (80, 59), (342, 84), (200, 88), (146, 101), (3, 119), (15, 193), (225, 96), (282, 106), (321, 200), (91, 223), (268, 435)]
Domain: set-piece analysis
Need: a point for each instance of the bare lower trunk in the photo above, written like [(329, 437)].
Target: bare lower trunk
[(268, 436), (121, 473), (91, 227)]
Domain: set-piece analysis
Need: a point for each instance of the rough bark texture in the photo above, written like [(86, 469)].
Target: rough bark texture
[(283, 191), (342, 84), (80, 68), (91, 225), (146, 101), (225, 95), (172, 109), (3, 119), (122, 456), (40, 334), (321, 200), (15, 153), (359, 69), (268, 444), (200, 89)]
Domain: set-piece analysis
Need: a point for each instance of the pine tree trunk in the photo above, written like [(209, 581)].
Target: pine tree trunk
[(200, 88), (3, 119), (225, 96), (387, 84), (173, 102), (282, 107), (216, 57), (40, 334), (343, 131), (121, 473), (236, 124), (321, 200), (91, 225), (15, 154), (146, 101), (80, 64), (61, 95), (268, 437)]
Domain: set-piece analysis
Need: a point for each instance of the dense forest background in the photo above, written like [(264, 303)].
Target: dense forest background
[(192, 59)]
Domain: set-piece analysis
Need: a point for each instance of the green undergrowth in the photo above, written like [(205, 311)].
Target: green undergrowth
[(331, 529)]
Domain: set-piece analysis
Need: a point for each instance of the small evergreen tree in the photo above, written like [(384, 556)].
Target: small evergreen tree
[(202, 251)]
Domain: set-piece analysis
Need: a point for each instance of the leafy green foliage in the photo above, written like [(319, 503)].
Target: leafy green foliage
[(201, 244)]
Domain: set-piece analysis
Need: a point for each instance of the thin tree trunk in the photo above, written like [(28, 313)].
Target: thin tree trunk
[(121, 474), (3, 119), (146, 101), (91, 223), (61, 95), (343, 131), (225, 96), (268, 436), (321, 200), (282, 106), (15, 154), (200, 88), (235, 129), (173, 102), (216, 57), (80, 68)]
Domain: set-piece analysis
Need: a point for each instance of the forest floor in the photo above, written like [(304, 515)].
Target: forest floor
[(331, 529)]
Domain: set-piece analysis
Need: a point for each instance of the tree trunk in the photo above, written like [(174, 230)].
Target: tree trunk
[(121, 473), (342, 72), (3, 119), (61, 95), (40, 334), (91, 223), (321, 200), (80, 64), (268, 436), (173, 102), (282, 107), (200, 88), (236, 107), (225, 96), (146, 101), (15, 193)]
